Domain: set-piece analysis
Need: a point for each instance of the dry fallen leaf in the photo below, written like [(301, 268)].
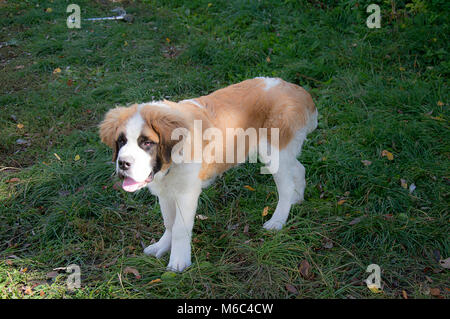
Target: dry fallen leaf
[(388, 154), (265, 211), (20, 125), (249, 188), (403, 183), (342, 201), (305, 269), (154, 281), (440, 103), (13, 180), (291, 289), (355, 221), (404, 294), (268, 59), (57, 70), (28, 291), (436, 292), (373, 288), (131, 270)]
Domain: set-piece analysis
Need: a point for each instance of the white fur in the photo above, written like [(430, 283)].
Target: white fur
[(140, 169), (157, 103), (178, 193), (270, 82), (192, 101)]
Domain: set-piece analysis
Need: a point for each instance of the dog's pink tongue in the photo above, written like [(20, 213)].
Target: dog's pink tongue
[(130, 185)]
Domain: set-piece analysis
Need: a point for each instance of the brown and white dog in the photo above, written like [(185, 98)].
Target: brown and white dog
[(274, 115)]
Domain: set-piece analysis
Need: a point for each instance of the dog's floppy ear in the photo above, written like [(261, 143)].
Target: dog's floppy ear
[(109, 127), (163, 121)]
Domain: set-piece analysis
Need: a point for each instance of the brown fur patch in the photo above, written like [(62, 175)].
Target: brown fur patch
[(114, 124), (163, 121)]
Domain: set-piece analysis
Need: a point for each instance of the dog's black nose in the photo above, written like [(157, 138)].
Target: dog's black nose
[(124, 163)]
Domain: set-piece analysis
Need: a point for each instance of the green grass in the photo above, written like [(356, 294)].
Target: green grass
[(374, 89)]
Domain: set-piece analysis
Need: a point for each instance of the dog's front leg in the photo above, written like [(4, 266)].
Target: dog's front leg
[(186, 206), (167, 205)]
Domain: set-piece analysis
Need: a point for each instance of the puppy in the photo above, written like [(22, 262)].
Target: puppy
[(176, 149)]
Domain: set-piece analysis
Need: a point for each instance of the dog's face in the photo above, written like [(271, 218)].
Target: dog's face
[(140, 137)]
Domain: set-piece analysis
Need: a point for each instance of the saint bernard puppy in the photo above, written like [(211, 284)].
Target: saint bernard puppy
[(274, 115)]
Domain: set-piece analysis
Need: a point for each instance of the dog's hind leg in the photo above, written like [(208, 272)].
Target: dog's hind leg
[(289, 177)]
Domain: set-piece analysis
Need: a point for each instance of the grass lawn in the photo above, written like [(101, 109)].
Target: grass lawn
[(382, 96)]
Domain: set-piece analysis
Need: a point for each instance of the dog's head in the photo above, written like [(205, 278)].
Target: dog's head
[(140, 136)]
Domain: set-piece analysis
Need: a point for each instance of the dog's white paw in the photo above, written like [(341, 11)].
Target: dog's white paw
[(158, 249), (179, 262), (273, 225)]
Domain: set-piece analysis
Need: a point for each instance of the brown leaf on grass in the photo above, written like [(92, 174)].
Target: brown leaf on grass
[(340, 202), (131, 270), (249, 188), (265, 211), (154, 281), (404, 294), (355, 221), (13, 180), (305, 269), (291, 289), (436, 292), (388, 154), (28, 291)]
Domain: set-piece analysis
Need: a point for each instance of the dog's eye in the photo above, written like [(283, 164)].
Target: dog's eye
[(148, 143), (121, 141)]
